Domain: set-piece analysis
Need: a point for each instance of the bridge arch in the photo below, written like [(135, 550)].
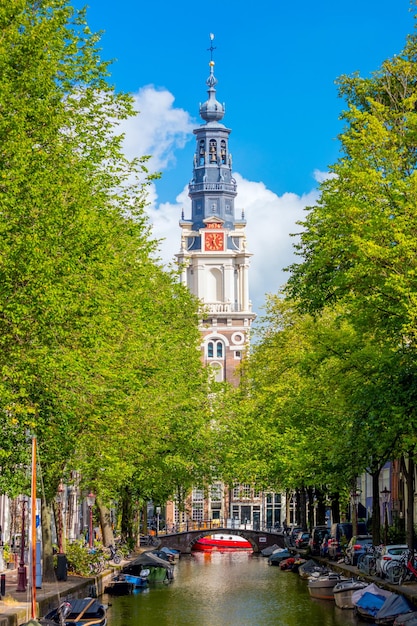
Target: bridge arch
[(183, 541)]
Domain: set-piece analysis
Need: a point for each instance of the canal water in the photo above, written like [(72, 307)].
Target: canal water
[(227, 590)]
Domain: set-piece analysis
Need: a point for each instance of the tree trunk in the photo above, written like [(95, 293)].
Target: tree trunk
[(410, 503), (376, 513), (106, 526), (335, 508), (48, 570), (321, 508)]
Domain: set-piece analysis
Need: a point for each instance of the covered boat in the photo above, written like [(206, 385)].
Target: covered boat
[(344, 590), (270, 549), (222, 542), (321, 586), (279, 555), (393, 606), (160, 570), (81, 612), (407, 619), (306, 569)]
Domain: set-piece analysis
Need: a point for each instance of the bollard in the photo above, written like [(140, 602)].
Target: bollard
[(2, 584)]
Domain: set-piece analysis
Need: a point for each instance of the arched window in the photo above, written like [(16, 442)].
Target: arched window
[(215, 349), (202, 150), (213, 151), (223, 151)]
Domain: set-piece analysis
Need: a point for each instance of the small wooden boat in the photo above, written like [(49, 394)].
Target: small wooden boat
[(344, 590), (222, 543), (321, 586), (123, 584), (82, 612)]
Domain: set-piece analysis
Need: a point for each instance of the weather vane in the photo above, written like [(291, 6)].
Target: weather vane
[(211, 46)]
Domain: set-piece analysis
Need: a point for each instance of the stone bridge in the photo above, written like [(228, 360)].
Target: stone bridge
[(183, 541)]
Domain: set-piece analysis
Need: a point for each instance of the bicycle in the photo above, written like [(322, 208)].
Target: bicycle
[(115, 555), (367, 561), (403, 570)]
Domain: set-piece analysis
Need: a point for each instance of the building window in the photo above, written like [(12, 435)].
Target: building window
[(202, 156), (197, 505), (242, 492), (223, 151), (238, 354), (215, 348), (213, 151)]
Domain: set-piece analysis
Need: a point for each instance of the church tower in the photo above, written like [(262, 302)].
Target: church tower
[(213, 255)]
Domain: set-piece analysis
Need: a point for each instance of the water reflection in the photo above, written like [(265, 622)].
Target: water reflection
[(231, 589)]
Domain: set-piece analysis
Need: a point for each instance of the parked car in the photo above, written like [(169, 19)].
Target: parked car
[(317, 536), (294, 534), (302, 540), (340, 535), (389, 553), (357, 546)]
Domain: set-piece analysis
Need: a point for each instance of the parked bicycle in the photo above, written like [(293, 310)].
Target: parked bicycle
[(403, 570), (115, 555), (367, 561)]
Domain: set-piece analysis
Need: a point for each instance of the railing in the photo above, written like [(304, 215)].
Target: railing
[(229, 524), (224, 307), (195, 187)]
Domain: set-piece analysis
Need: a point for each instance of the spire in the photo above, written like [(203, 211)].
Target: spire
[(211, 110)]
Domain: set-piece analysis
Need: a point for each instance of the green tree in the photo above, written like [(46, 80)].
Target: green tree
[(80, 284), (359, 242)]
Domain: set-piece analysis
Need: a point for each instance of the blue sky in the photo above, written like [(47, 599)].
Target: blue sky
[(276, 65)]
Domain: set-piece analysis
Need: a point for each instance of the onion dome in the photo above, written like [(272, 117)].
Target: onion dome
[(212, 110)]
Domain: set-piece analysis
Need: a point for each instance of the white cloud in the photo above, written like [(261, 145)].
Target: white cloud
[(160, 130)]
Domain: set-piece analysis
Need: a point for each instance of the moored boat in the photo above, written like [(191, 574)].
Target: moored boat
[(279, 555), (406, 619), (222, 543), (344, 590), (305, 570), (123, 584), (321, 586), (81, 612), (160, 570)]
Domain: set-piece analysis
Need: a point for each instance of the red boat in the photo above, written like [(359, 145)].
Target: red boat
[(222, 543)]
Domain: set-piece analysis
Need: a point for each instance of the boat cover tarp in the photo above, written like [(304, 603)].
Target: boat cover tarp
[(370, 603), (394, 605), (148, 559), (269, 550), (371, 588), (409, 619)]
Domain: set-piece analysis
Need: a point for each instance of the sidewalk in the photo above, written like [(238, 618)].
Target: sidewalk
[(15, 606)]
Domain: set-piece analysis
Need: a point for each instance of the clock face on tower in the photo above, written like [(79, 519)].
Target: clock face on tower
[(214, 241)]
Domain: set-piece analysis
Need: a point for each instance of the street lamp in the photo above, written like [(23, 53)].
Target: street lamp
[(59, 499), (21, 570), (158, 513), (385, 493), (91, 498)]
